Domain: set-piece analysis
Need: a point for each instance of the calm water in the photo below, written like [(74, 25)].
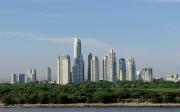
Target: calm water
[(112, 109)]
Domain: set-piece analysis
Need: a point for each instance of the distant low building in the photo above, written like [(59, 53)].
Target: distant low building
[(21, 78), (172, 77), (138, 75), (159, 78), (31, 75), (48, 74), (13, 78), (147, 74)]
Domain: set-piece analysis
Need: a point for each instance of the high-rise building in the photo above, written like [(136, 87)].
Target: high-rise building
[(78, 67), (111, 66), (31, 75), (131, 69), (122, 69), (21, 78), (64, 69), (138, 73), (147, 74), (89, 67), (48, 74), (13, 78), (105, 63), (95, 69)]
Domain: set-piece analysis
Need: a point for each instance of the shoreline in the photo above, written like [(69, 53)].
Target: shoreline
[(91, 105)]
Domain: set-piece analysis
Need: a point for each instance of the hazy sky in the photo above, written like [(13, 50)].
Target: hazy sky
[(34, 32)]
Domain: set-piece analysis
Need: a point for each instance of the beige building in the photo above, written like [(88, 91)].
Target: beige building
[(95, 69), (63, 69)]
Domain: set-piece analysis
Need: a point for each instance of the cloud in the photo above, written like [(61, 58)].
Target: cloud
[(51, 15), (67, 40), (18, 35), (87, 42)]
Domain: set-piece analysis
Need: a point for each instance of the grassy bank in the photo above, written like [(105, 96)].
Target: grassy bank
[(104, 92)]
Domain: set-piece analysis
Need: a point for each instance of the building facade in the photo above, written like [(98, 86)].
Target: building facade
[(48, 74), (21, 78), (95, 69), (13, 78), (131, 69), (105, 60), (172, 77), (147, 74), (31, 75), (122, 69), (64, 69), (89, 67), (78, 67), (111, 66)]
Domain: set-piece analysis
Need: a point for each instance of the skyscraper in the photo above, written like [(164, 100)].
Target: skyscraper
[(105, 60), (122, 69), (147, 74), (138, 73), (131, 69), (95, 69), (78, 67), (21, 78), (111, 66), (89, 67), (48, 74), (63, 69), (13, 78), (31, 75)]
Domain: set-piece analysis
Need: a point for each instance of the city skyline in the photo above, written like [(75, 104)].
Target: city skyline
[(75, 74), (34, 32)]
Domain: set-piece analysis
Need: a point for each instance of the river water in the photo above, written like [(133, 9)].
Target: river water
[(93, 109)]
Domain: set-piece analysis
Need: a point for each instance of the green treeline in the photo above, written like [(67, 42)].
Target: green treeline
[(157, 91)]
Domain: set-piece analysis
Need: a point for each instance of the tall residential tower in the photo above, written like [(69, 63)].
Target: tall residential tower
[(105, 63), (64, 69), (110, 67), (147, 74), (78, 67), (122, 69), (95, 69), (89, 67), (31, 75), (13, 78), (21, 78), (48, 74), (131, 69)]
